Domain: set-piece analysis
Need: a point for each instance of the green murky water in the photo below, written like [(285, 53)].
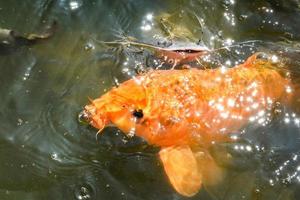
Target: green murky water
[(46, 153)]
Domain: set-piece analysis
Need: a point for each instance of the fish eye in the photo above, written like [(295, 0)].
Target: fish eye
[(138, 113)]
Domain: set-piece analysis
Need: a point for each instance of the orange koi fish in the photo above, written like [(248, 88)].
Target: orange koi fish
[(185, 111)]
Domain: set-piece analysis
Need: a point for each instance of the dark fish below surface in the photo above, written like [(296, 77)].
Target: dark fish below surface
[(10, 40)]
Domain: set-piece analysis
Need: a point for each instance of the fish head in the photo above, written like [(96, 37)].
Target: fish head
[(122, 106)]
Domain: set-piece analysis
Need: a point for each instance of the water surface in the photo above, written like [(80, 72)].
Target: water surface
[(46, 153)]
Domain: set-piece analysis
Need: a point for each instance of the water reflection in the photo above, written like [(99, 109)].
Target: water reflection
[(46, 154)]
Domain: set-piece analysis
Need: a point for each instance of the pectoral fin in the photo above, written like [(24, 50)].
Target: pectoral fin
[(182, 169)]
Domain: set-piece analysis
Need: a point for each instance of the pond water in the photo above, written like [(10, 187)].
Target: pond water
[(46, 153)]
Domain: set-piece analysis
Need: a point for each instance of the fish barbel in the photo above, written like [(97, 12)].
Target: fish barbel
[(185, 111)]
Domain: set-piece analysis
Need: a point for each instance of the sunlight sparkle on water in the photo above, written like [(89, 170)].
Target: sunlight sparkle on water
[(230, 18), (287, 120), (230, 102), (148, 22), (74, 5), (274, 59), (255, 105), (228, 62), (297, 121), (261, 113), (146, 27), (267, 10), (125, 70), (288, 89), (223, 69), (228, 42), (149, 16), (243, 147)]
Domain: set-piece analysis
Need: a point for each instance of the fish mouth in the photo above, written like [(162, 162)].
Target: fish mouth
[(84, 117), (89, 116)]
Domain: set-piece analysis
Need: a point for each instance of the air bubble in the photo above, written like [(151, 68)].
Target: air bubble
[(89, 47), (83, 193)]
